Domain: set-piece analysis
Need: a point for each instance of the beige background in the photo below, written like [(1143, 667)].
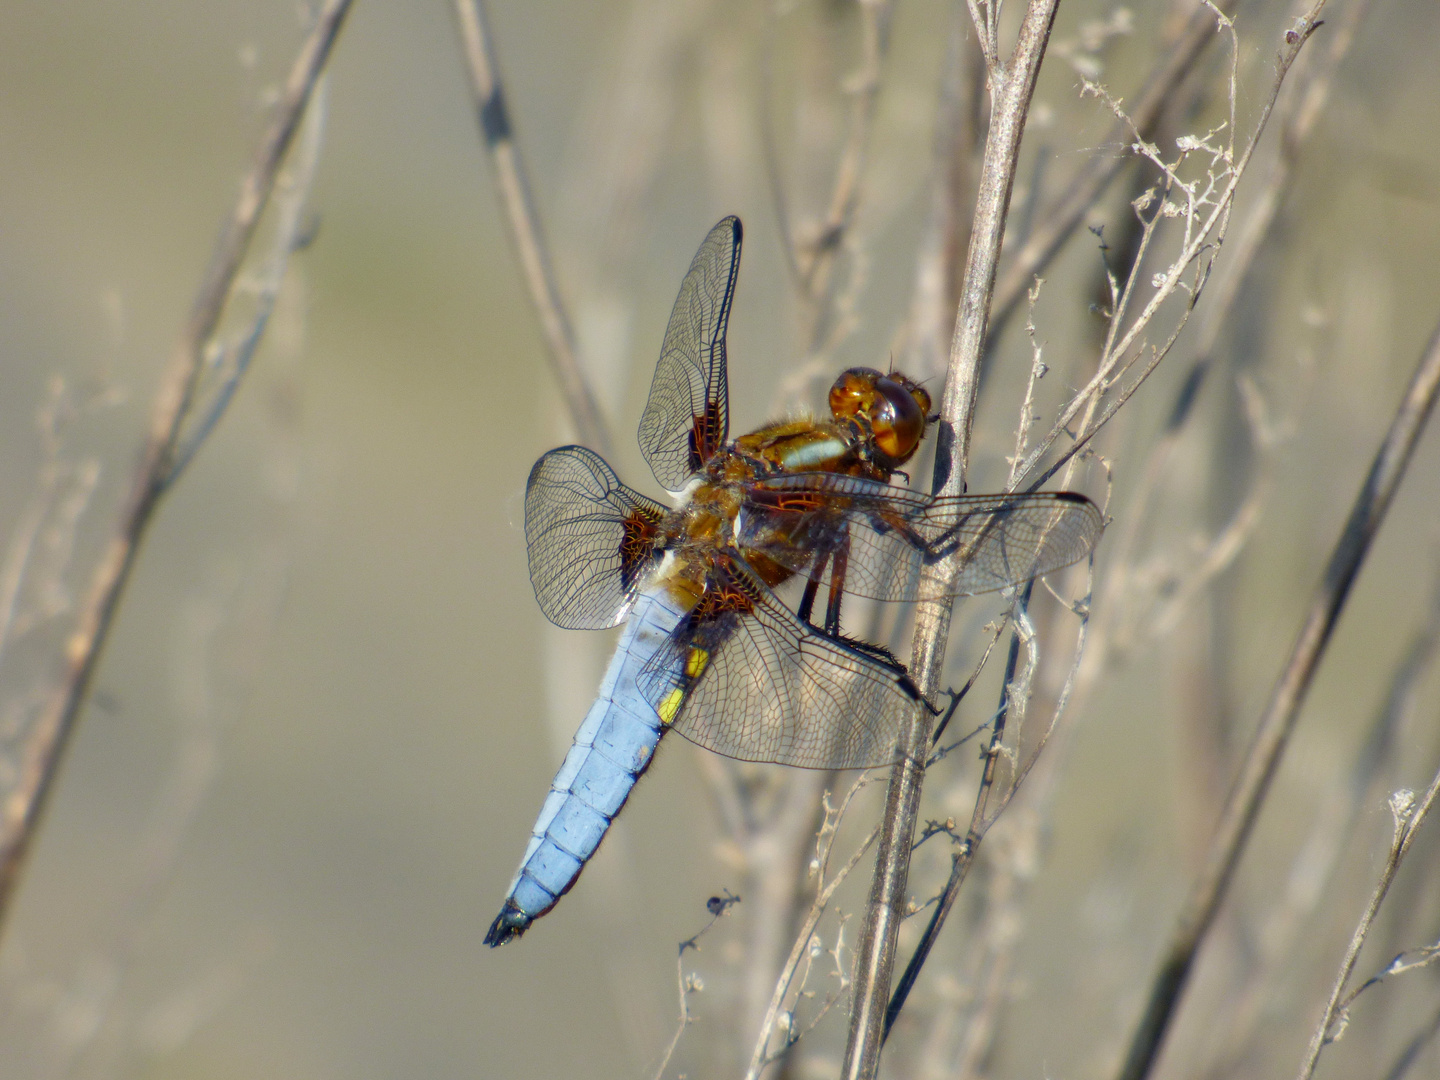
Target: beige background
[(330, 649)]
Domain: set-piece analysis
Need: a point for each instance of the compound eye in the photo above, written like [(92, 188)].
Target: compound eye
[(854, 391), (896, 419)]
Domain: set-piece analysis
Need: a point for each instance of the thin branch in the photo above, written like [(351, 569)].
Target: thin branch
[(47, 741), (824, 300), (1283, 710), (964, 855), (525, 231), (291, 200), (770, 150), (1014, 695), (946, 233), (760, 1056), (1058, 220), (1011, 88), (1202, 241), (691, 984), (1314, 867), (1297, 118), (864, 89), (1408, 819)]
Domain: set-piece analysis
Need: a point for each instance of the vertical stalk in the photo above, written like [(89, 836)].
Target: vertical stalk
[(1011, 86)]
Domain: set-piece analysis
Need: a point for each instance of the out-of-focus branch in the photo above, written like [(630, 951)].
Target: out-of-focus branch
[(46, 743), (232, 361), (1011, 87), (812, 258), (845, 197), (1204, 234), (1313, 870), (1054, 223), (525, 231), (1278, 721), (1414, 1048), (952, 194)]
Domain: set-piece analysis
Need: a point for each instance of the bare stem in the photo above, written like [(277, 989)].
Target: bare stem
[(1408, 819), (1058, 220), (1283, 710), (825, 891), (525, 232), (1011, 87), (45, 745)]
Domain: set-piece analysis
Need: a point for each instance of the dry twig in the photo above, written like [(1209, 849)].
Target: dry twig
[(1011, 86), (172, 406), (524, 221), (1278, 721), (1408, 818), (762, 1055), (1059, 219)]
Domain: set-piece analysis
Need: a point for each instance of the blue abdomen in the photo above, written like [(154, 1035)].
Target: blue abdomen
[(612, 748)]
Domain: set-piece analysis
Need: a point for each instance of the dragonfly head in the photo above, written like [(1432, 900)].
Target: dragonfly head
[(894, 405)]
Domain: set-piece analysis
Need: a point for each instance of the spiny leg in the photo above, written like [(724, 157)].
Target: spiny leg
[(840, 561), (812, 587)]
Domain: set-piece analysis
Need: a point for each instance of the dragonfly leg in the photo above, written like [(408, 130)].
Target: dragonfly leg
[(840, 560), (812, 587)]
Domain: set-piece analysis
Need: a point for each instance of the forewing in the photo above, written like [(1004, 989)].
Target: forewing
[(590, 538), (999, 540), (776, 689), (686, 418)]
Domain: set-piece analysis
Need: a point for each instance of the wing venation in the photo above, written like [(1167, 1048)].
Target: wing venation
[(686, 417), (893, 533), (776, 689), (589, 539)]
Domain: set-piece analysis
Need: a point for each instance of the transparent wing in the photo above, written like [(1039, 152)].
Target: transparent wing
[(590, 538), (776, 689), (1000, 540), (686, 418)]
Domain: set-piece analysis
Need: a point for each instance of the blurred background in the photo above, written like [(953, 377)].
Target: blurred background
[(330, 707)]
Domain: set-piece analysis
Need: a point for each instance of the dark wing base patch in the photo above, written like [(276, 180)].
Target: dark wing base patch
[(590, 539)]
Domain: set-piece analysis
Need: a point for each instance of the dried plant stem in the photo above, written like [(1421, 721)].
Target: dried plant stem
[(1204, 235), (777, 848), (45, 745), (1011, 87), (845, 197), (813, 258), (952, 193), (761, 1056), (963, 857), (1408, 819), (525, 231), (1278, 721), (1057, 221), (1314, 867)]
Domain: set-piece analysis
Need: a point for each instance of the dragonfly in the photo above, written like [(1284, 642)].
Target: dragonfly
[(708, 649)]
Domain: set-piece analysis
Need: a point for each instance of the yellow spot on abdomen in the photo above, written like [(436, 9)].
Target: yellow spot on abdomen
[(695, 663), (670, 705)]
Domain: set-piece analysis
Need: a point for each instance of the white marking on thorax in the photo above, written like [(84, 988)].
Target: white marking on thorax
[(684, 495)]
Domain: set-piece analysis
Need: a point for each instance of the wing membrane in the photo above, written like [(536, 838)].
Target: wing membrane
[(1001, 540), (686, 417), (588, 537), (776, 689)]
